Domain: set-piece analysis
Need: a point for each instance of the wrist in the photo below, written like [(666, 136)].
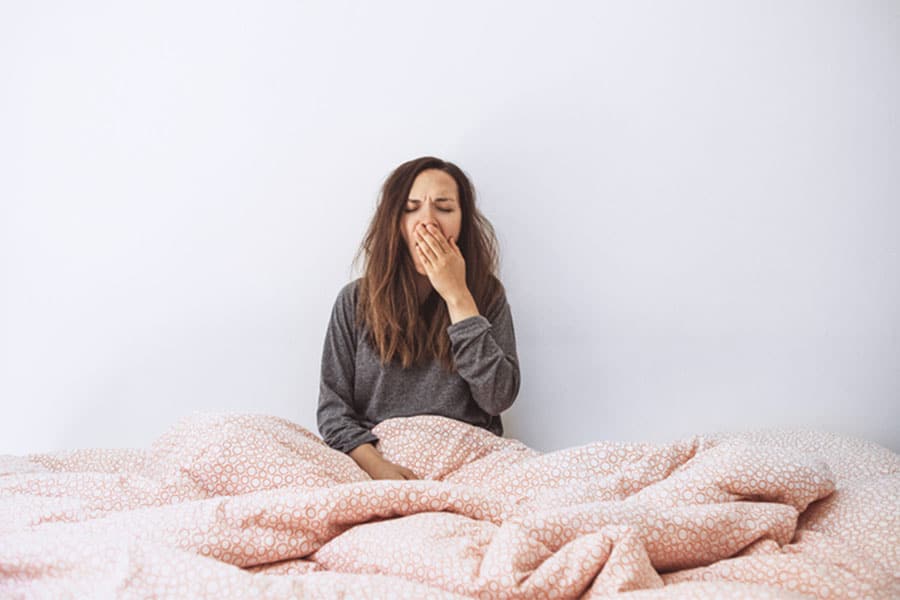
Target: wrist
[(459, 298), (365, 455), (462, 307)]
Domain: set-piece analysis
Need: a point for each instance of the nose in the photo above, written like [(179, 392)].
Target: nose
[(429, 221)]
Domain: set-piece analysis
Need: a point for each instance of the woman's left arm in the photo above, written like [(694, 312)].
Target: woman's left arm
[(484, 350)]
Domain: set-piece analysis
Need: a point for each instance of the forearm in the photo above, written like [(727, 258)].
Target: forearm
[(485, 356)]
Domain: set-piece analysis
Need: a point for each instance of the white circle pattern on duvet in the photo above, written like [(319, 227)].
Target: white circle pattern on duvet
[(234, 505)]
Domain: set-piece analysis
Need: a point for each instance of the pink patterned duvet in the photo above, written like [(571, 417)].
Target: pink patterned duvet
[(252, 506)]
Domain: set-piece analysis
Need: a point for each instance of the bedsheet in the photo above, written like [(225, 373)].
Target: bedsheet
[(245, 505)]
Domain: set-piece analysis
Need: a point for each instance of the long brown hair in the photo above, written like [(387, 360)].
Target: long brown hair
[(396, 325)]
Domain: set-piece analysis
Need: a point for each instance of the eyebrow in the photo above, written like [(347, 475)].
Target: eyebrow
[(436, 200)]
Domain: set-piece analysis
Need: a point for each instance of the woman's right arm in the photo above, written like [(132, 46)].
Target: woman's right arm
[(339, 424)]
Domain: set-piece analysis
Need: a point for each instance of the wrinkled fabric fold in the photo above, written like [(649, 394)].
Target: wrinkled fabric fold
[(238, 505)]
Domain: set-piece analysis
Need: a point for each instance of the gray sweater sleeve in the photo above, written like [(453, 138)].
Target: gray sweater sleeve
[(484, 349), (339, 424)]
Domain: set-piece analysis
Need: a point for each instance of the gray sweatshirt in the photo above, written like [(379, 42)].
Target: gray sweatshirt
[(356, 392)]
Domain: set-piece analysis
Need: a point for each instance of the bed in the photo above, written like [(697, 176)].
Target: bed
[(246, 505)]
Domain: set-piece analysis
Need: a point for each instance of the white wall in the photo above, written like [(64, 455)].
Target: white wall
[(697, 204)]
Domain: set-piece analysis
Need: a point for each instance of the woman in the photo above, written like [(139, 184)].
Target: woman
[(427, 328)]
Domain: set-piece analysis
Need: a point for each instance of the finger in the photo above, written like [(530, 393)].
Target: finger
[(440, 241), (426, 248), (424, 238), (435, 242), (438, 238), (422, 256)]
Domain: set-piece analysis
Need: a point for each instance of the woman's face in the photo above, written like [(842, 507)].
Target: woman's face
[(434, 199)]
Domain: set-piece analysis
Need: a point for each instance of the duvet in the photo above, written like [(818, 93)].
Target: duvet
[(241, 505)]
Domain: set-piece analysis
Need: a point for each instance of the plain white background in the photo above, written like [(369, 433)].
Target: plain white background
[(697, 205)]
